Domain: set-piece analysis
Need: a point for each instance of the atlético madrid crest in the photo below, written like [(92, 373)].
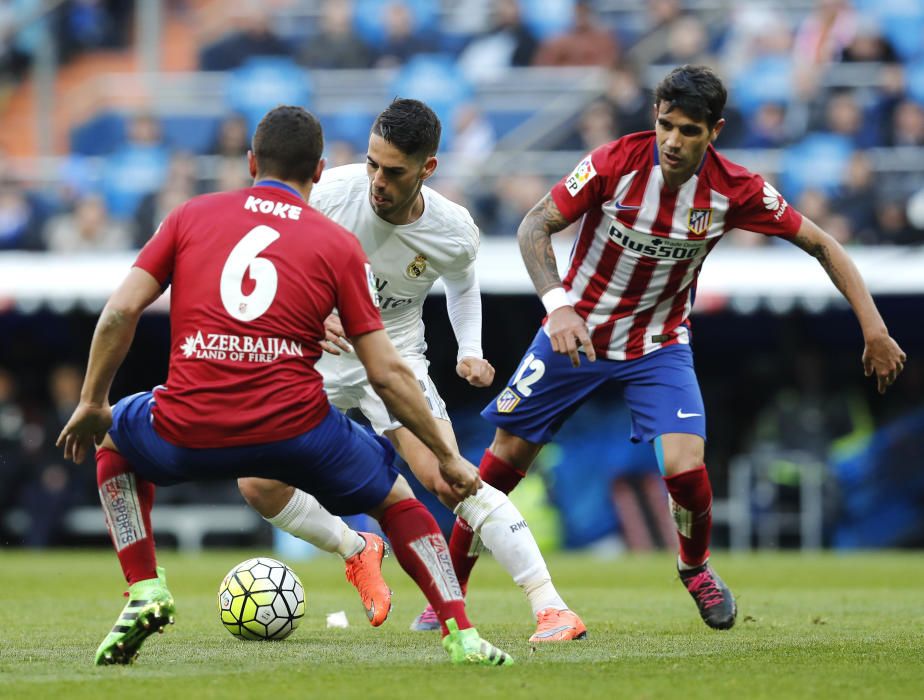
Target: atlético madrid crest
[(699, 221), (507, 401), (417, 266)]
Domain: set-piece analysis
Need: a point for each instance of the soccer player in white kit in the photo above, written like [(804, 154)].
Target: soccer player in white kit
[(412, 236)]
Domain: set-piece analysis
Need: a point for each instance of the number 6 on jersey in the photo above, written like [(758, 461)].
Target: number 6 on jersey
[(247, 307)]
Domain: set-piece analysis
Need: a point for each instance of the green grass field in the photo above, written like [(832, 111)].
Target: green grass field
[(819, 626)]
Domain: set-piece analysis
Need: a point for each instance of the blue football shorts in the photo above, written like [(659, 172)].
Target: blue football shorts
[(339, 462), (660, 389)]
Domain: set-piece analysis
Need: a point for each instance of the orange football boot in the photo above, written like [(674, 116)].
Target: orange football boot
[(364, 571)]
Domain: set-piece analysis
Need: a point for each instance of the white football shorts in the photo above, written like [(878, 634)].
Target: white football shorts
[(348, 387)]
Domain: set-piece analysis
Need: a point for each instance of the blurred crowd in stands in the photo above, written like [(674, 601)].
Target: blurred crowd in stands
[(833, 90)]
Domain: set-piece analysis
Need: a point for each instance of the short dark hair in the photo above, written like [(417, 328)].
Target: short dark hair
[(410, 126), (696, 90), (288, 144)]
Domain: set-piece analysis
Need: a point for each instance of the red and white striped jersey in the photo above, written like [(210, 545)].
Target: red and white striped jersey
[(640, 246)]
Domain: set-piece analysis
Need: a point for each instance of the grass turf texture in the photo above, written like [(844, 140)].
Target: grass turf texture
[(819, 626)]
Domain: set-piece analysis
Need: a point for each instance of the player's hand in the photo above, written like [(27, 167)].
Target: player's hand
[(334, 337), (883, 358), (476, 371), (567, 331), (461, 475), (84, 431)]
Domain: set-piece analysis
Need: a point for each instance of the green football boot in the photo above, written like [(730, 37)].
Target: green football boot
[(466, 647), (149, 609)]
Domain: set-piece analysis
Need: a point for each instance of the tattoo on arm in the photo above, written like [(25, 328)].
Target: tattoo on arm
[(535, 239), (822, 252)]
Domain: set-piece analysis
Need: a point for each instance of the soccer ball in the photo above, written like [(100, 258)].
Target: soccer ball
[(261, 599)]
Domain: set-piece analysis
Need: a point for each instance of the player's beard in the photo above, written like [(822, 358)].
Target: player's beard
[(390, 208)]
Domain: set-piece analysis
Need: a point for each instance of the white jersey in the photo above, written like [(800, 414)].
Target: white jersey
[(406, 259)]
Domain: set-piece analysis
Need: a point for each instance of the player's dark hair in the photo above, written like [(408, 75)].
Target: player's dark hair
[(288, 144), (410, 126), (696, 91)]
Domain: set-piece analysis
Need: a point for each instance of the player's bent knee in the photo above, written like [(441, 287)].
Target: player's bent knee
[(266, 496)]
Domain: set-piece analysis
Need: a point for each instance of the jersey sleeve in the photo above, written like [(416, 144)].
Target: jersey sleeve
[(760, 208), (159, 253), (356, 293), (585, 187)]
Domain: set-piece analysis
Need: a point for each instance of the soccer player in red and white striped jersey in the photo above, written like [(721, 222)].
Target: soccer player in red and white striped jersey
[(651, 206)]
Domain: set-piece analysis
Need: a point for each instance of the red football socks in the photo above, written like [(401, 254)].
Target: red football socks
[(504, 477), (127, 500), (421, 549), (691, 496)]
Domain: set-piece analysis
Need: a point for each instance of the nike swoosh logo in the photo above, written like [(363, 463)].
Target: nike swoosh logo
[(553, 631), (681, 414), (624, 207)]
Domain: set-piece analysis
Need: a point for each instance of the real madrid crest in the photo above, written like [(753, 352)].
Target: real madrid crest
[(417, 267)]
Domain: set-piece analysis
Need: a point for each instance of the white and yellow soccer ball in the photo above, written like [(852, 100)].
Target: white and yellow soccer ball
[(261, 598)]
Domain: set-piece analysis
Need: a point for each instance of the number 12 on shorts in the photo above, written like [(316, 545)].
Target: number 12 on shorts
[(531, 370)]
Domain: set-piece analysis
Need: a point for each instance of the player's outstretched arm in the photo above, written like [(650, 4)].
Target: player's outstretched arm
[(396, 384), (112, 338), (463, 304), (566, 328), (882, 356)]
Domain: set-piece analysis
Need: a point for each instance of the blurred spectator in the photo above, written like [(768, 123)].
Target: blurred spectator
[(511, 199), (595, 126), (340, 153), (868, 45), (632, 106), (20, 222), (254, 36), (754, 31), (661, 16), (401, 41), (844, 117), (687, 42), (890, 92), (587, 43), (230, 175), (55, 486), (473, 140), (817, 206), (137, 168), (19, 39), (233, 137), (907, 124), (12, 421), (87, 229), (92, 24), (182, 182), (856, 198), (893, 225), (335, 45), (767, 127), (825, 33), (814, 204), (509, 43)]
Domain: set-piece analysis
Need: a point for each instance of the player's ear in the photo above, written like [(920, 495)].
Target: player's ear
[(252, 163), (318, 170), (654, 112), (429, 167), (716, 129)]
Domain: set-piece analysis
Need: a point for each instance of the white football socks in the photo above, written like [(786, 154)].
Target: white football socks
[(307, 519), (504, 531)]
